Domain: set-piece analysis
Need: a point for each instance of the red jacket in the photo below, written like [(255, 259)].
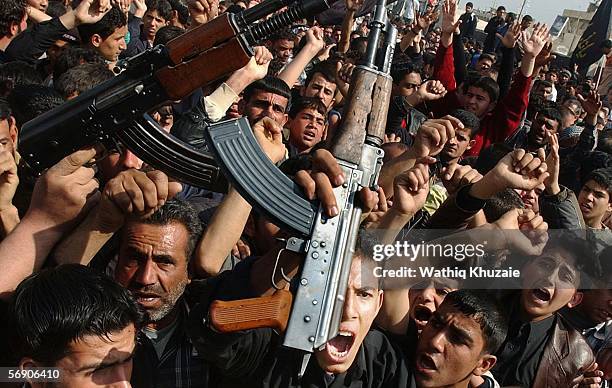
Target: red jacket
[(496, 126)]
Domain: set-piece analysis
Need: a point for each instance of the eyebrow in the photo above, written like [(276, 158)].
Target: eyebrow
[(102, 365), (465, 335), (366, 288)]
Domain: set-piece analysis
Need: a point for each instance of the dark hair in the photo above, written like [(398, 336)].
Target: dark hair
[(17, 73), (307, 103), (501, 8), (606, 43), (501, 203), (326, 69), (484, 309), (468, 119), (604, 144), (359, 45), (105, 27), (82, 78), (181, 9), (166, 34), (527, 18), (552, 113), (602, 177), (74, 56), (269, 85), (30, 101), (487, 84), (547, 84), (469, 4), (5, 109), (57, 306), (489, 56), (400, 69), (594, 160), (282, 34), (11, 11), (510, 17), (163, 8), (181, 212)]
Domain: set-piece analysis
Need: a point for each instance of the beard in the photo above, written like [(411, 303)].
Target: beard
[(168, 302)]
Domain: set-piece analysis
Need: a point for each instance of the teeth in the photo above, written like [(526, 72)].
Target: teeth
[(345, 334), (338, 354)]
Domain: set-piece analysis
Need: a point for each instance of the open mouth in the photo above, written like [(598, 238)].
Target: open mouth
[(542, 294), (146, 298), (309, 135), (585, 207), (339, 346), (425, 363), (422, 315)]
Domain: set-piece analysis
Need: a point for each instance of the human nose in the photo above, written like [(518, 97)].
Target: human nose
[(130, 160)]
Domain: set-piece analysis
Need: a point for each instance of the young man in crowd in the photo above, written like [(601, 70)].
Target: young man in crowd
[(107, 36), (595, 197), (157, 15), (593, 316), (13, 20), (469, 21), (87, 328), (500, 119), (532, 354)]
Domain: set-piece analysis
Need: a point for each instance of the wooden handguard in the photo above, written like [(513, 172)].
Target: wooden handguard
[(267, 311)]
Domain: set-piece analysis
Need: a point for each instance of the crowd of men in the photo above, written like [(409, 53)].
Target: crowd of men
[(108, 267)]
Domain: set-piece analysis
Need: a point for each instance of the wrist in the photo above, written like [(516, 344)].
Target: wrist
[(553, 189), (69, 20), (485, 188), (397, 215)]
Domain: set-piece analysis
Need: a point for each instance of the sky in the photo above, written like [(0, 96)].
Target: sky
[(541, 10)]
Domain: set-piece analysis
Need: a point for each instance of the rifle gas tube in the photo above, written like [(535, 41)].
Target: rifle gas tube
[(117, 109), (328, 243)]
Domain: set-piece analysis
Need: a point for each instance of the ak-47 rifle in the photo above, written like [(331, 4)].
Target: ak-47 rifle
[(328, 243), (116, 111)]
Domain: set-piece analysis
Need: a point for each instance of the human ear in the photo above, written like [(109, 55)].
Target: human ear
[(484, 365), (576, 299)]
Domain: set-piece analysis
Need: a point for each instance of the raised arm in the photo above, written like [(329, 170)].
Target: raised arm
[(352, 6), (314, 44), (231, 216), (61, 197), (131, 194)]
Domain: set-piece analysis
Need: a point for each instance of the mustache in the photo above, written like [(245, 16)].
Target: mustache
[(153, 289)]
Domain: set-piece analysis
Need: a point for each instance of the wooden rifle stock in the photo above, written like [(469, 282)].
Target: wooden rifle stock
[(201, 39), (180, 80), (267, 311)]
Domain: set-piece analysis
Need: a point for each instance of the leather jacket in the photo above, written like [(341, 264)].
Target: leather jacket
[(565, 359)]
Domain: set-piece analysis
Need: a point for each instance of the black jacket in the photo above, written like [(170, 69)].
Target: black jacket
[(468, 25), (257, 357), (32, 43)]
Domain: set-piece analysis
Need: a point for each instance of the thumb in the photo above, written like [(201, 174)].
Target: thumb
[(74, 161), (174, 188)]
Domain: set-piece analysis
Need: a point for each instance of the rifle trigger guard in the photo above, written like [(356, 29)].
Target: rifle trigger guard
[(285, 277)]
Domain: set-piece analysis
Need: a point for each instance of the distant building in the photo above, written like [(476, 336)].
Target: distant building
[(577, 22)]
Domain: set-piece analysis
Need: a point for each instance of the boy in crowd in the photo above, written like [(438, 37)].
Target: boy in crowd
[(595, 197), (307, 123), (541, 346)]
